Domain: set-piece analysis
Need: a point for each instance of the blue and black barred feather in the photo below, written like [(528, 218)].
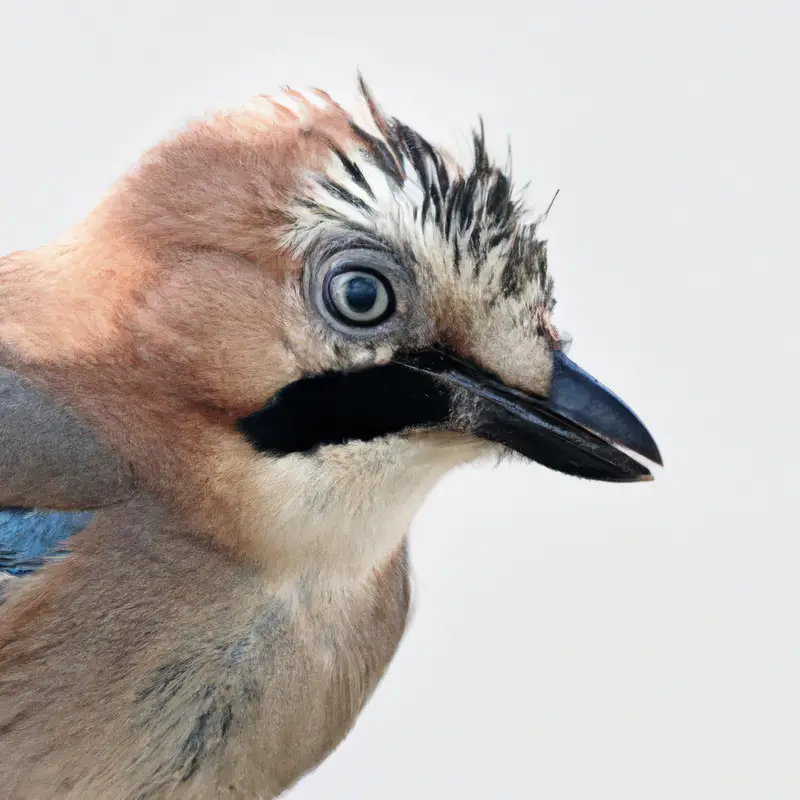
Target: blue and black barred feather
[(28, 537)]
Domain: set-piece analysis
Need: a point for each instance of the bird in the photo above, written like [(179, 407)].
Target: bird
[(225, 392)]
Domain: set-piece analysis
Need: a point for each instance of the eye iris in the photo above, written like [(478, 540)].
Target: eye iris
[(361, 294), (359, 297)]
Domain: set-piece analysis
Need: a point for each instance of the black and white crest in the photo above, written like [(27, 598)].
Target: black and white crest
[(458, 224)]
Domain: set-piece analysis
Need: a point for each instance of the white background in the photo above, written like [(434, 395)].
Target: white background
[(571, 640)]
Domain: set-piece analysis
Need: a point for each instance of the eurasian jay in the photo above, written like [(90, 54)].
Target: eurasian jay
[(238, 378)]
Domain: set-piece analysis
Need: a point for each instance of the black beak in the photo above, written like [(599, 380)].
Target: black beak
[(574, 429)]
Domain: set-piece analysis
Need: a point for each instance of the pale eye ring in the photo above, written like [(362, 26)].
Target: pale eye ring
[(358, 296)]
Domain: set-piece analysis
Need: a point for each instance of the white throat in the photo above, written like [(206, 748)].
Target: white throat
[(345, 509)]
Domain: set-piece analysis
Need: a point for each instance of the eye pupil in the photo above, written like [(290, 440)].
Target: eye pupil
[(361, 294)]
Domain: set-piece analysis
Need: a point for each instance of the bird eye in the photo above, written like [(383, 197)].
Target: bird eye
[(361, 292), (359, 297)]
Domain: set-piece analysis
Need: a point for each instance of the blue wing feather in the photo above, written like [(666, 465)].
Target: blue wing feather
[(28, 537)]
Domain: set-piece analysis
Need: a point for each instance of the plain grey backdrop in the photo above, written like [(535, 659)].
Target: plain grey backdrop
[(570, 640)]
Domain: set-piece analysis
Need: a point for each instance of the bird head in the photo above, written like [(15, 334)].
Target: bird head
[(290, 323)]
